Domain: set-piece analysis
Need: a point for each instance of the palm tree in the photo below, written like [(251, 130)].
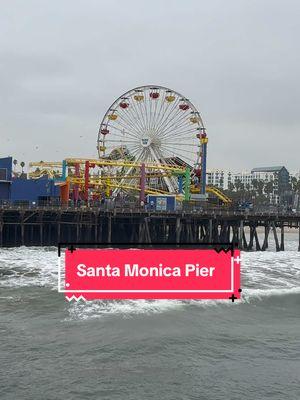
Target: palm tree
[(221, 183), (269, 187), (260, 187), (255, 185), (231, 186), (238, 185), (22, 166), (294, 182), (297, 186)]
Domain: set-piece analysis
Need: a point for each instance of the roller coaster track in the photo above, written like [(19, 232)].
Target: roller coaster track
[(101, 182), (98, 182), (168, 170), (217, 192)]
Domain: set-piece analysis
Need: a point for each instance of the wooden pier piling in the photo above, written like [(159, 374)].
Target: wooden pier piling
[(49, 226)]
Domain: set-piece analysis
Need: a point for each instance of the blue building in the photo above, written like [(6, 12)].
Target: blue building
[(5, 177), (33, 190), (21, 189)]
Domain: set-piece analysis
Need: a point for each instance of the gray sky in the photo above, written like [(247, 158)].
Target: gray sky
[(62, 63)]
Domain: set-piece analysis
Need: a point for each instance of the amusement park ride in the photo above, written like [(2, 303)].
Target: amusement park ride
[(151, 141)]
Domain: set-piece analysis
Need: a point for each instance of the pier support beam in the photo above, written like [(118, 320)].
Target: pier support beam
[(41, 228), (245, 244), (109, 229), (58, 228), (1, 234), (22, 234), (275, 236), (147, 235), (178, 229), (47, 226), (266, 243), (251, 239), (235, 235), (282, 237), (210, 228), (240, 237), (78, 226), (95, 227), (257, 244)]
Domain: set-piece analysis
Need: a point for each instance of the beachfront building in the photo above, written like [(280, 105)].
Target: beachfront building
[(241, 180), (276, 180), (215, 177), (218, 178), (273, 182)]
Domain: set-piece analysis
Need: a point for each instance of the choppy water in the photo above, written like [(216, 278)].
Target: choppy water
[(164, 349)]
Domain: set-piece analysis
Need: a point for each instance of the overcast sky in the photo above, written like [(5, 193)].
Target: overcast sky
[(63, 63)]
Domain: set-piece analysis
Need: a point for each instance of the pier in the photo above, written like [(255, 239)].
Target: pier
[(47, 226)]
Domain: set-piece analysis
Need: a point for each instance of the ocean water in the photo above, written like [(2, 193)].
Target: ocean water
[(164, 349)]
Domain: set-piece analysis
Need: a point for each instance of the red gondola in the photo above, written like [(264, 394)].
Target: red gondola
[(184, 106), (154, 95), (124, 104), (104, 131), (197, 172)]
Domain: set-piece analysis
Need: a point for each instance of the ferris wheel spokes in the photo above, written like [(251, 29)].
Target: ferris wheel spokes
[(152, 124)]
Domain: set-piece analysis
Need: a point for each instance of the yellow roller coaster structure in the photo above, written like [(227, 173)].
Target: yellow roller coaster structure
[(130, 170), (218, 193)]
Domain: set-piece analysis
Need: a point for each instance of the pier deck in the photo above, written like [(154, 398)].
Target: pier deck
[(47, 226)]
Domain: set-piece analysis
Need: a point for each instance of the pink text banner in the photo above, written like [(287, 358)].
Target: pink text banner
[(151, 274)]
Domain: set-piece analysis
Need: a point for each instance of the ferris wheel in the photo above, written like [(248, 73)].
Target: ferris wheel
[(152, 124)]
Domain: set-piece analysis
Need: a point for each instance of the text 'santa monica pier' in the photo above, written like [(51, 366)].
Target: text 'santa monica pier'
[(136, 273)]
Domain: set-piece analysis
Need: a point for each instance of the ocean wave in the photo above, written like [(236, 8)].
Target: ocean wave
[(127, 308), (264, 275), (38, 266), (260, 294), (28, 266)]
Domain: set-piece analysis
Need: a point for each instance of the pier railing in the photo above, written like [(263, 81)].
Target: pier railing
[(137, 208)]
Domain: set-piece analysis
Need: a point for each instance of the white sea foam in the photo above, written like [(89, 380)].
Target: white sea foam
[(260, 294), (125, 308), (28, 266), (264, 274)]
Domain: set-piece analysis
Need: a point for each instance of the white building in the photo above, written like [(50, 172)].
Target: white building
[(217, 178), (295, 174), (278, 177), (245, 178), (223, 179)]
